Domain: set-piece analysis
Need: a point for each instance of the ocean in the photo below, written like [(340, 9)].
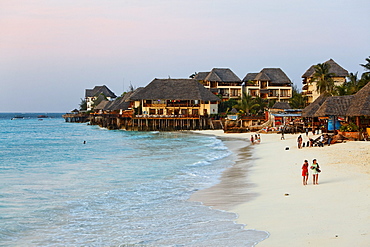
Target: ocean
[(70, 184)]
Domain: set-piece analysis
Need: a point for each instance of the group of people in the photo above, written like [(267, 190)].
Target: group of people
[(255, 139), (315, 168), (320, 141)]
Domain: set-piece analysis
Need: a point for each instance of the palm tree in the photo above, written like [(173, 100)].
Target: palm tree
[(367, 65), (323, 78), (298, 101), (83, 105), (262, 104), (352, 84), (247, 103), (365, 78)]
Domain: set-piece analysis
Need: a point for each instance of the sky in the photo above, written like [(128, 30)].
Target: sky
[(52, 50)]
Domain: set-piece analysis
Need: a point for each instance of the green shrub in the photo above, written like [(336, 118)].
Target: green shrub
[(351, 127)]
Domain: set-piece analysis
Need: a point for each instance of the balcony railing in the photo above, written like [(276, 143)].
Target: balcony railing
[(168, 116), (174, 104)]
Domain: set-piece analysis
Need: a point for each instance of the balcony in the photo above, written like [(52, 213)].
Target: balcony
[(307, 93)]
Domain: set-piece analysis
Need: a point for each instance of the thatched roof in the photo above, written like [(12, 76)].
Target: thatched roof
[(219, 75), (334, 68), (201, 76), (272, 75), (99, 90), (261, 76), (311, 109), (334, 106), (281, 105), (118, 104), (102, 105), (360, 104), (250, 77), (175, 89)]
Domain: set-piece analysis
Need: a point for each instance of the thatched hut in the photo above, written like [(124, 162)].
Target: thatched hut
[(334, 106), (360, 105), (310, 110), (360, 108), (329, 109)]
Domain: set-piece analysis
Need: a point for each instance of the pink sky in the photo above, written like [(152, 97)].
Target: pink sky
[(51, 51)]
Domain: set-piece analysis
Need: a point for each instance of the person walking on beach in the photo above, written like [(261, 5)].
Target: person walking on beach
[(305, 172), (315, 171), (252, 139), (299, 140)]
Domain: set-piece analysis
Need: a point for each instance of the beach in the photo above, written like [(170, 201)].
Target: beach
[(265, 189)]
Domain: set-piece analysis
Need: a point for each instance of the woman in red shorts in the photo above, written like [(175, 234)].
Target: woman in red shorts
[(305, 172)]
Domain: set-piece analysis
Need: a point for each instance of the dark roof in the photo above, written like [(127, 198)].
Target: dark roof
[(273, 75), (348, 105), (250, 77), (118, 104), (311, 109), (175, 89), (360, 104), (281, 105), (201, 76), (99, 90), (102, 105), (334, 106), (219, 75), (334, 68), (122, 103)]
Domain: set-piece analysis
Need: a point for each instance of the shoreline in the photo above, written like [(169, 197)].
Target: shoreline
[(333, 213), (233, 188)]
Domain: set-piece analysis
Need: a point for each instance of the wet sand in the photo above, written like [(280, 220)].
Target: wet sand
[(234, 187)]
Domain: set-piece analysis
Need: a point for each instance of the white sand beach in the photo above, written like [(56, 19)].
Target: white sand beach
[(268, 193)]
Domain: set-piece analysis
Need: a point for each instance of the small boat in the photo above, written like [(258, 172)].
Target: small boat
[(17, 117), (42, 116)]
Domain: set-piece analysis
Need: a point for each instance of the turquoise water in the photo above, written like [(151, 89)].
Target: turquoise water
[(120, 188)]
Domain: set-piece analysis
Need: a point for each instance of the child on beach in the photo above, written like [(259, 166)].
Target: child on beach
[(305, 172), (315, 172)]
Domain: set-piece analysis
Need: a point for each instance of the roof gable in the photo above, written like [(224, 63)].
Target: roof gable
[(334, 68), (334, 106), (360, 105), (201, 76), (281, 105), (262, 77), (311, 109), (250, 77), (99, 90), (273, 75), (276, 76), (222, 75)]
